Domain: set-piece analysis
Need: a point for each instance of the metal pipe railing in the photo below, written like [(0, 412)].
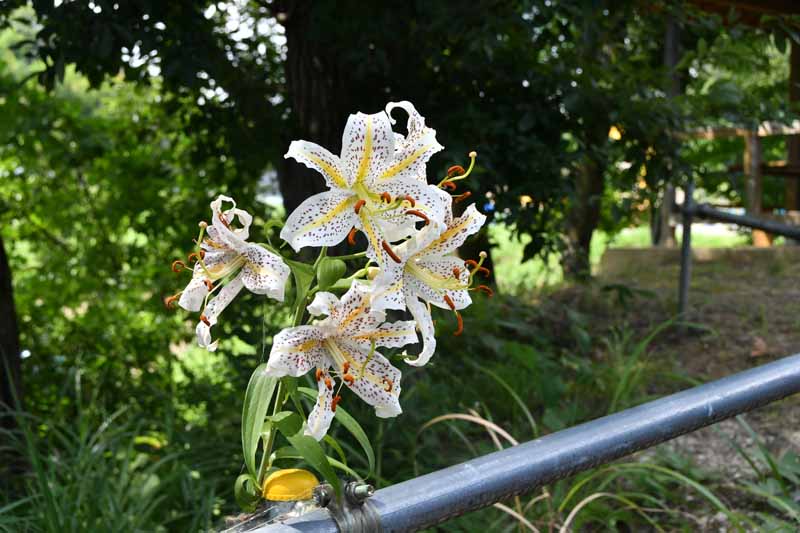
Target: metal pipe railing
[(433, 498)]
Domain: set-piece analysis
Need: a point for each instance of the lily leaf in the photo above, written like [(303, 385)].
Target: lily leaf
[(303, 277), (257, 399)]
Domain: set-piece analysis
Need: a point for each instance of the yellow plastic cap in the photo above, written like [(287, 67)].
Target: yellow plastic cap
[(289, 484)]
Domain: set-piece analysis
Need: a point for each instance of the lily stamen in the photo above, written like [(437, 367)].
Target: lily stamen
[(390, 252), (460, 328), (449, 185), (457, 272), (224, 220), (485, 289), (386, 197), (169, 301), (410, 200), (419, 214), (209, 284), (205, 320), (346, 367), (472, 155), (178, 265), (318, 375), (328, 383), (359, 205), (485, 271), (462, 197), (196, 256), (389, 384), (335, 402), (449, 302), (349, 379), (455, 170), (351, 237)]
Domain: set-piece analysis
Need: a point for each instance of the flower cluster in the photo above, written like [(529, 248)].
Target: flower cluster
[(378, 187)]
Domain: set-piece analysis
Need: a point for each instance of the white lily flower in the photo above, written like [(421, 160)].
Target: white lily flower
[(225, 253), (343, 346), (429, 272), (377, 185)]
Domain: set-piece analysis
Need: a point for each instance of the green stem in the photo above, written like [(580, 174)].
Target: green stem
[(271, 437), (358, 255)]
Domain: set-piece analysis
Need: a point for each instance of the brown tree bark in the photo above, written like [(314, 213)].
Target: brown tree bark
[(10, 362), (582, 219)]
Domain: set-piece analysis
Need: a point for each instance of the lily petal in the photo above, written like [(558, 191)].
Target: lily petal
[(457, 232), (264, 272), (428, 198), (424, 321), (324, 219), (413, 151), (387, 288), (295, 351), (194, 294), (376, 381), (324, 303), (391, 335), (320, 159), (440, 268), (319, 420), (213, 309), (367, 147), (354, 313)]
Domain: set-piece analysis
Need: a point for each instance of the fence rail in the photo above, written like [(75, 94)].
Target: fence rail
[(439, 496)]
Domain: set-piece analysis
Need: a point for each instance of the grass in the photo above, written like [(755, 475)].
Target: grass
[(516, 277)]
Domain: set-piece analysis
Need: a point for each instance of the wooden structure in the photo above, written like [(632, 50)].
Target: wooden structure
[(754, 167)]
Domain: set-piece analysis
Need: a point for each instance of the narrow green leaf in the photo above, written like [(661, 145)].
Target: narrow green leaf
[(309, 448), (257, 399), (246, 493), (350, 423)]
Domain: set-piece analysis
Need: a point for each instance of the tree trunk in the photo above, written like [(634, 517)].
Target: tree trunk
[(10, 362), (582, 219)]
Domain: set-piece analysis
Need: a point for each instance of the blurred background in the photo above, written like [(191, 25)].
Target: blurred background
[(120, 121)]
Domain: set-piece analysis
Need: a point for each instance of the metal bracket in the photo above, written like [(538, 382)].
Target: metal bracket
[(354, 514)]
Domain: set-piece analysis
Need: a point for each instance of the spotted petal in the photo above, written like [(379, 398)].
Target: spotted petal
[(324, 219), (456, 233), (387, 288), (223, 224), (428, 199), (390, 335), (321, 416), (413, 151), (354, 313), (295, 351), (434, 278), (318, 158), (422, 316), (367, 147), (264, 272), (376, 382), (213, 309)]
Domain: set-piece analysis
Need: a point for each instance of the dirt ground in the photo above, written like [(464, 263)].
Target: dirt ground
[(745, 309)]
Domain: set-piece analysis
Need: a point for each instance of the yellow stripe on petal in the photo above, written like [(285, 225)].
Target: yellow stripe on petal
[(450, 232), (383, 334), (404, 164), (363, 167), (330, 215), (369, 230), (335, 175)]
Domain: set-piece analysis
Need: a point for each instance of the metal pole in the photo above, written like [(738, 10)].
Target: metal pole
[(433, 498), (769, 226), (686, 251)]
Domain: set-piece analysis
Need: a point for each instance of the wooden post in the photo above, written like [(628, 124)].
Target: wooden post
[(792, 195), (662, 230), (753, 183)]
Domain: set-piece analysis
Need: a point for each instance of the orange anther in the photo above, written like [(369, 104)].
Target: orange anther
[(390, 252), (419, 214), (410, 200), (386, 197), (195, 256), (328, 383), (389, 384), (449, 302), (224, 220), (462, 197), (460, 328), (169, 301), (209, 284), (345, 367), (485, 271), (204, 319), (471, 263), (335, 402), (178, 265), (483, 288), (347, 378), (451, 185), (455, 170), (318, 375), (351, 237), (359, 205), (457, 272)]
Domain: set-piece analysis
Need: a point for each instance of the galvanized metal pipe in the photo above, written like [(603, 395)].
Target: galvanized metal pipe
[(433, 498), (770, 226)]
